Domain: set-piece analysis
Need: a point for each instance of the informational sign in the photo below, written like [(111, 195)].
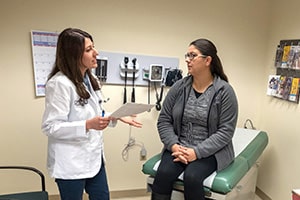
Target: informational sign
[(43, 54)]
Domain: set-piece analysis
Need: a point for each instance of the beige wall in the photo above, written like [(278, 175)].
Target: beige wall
[(280, 172), (246, 33)]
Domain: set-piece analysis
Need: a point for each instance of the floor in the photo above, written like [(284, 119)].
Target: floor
[(148, 198), (133, 198)]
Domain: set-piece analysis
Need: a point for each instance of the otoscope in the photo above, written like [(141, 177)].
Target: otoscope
[(126, 60), (133, 77)]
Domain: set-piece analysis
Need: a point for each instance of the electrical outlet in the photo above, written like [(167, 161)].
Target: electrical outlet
[(143, 154), (143, 158)]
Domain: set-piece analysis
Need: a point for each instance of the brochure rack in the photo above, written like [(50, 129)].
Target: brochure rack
[(285, 84)]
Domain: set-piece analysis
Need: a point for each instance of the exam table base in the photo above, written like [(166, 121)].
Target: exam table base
[(245, 189)]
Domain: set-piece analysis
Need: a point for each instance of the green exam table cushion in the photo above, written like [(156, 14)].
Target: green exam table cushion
[(226, 179)]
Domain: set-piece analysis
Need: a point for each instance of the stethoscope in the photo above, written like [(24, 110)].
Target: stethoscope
[(102, 100), (99, 94)]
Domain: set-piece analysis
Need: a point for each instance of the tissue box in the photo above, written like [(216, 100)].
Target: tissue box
[(296, 194)]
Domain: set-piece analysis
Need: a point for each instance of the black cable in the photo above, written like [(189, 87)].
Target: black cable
[(133, 78), (149, 83), (251, 124), (159, 97), (126, 60)]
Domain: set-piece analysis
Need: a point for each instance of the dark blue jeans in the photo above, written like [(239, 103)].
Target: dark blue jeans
[(194, 174), (96, 187)]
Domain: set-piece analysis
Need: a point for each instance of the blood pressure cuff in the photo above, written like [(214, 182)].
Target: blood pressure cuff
[(173, 76)]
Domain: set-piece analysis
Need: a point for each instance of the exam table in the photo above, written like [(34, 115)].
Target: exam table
[(237, 181)]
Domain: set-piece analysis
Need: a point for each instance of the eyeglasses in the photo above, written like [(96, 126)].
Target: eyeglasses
[(191, 56)]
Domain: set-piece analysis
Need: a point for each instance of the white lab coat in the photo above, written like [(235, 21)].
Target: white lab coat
[(73, 152)]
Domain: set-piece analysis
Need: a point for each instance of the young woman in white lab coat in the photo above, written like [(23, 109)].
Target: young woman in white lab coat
[(73, 119)]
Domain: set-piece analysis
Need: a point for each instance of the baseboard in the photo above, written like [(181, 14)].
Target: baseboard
[(115, 194), (129, 193), (54, 197), (261, 194), (143, 192)]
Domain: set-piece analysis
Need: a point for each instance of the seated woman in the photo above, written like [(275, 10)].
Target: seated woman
[(196, 124)]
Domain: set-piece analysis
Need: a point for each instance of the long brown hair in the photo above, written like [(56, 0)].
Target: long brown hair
[(207, 48), (69, 52)]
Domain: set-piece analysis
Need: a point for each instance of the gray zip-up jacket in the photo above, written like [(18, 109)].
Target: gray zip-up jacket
[(222, 119)]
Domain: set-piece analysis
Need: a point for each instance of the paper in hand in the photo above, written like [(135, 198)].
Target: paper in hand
[(129, 109)]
